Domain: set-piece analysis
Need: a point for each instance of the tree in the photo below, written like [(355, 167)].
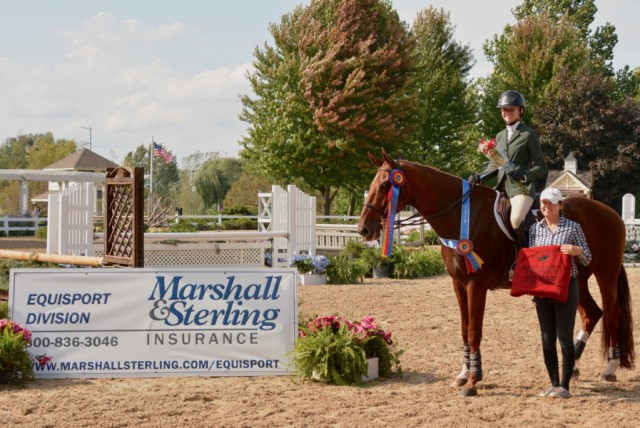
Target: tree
[(165, 176), (29, 151), (244, 191), (582, 14), (627, 84), (445, 106), (188, 199), (215, 178), (526, 58), (335, 87), (581, 116), (45, 150)]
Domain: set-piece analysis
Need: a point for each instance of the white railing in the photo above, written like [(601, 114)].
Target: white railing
[(21, 224)]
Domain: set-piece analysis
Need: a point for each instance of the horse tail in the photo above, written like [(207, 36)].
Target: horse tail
[(625, 324)]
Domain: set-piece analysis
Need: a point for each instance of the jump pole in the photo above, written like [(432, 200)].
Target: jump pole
[(51, 258)]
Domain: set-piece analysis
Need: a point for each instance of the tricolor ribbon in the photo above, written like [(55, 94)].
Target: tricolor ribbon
[(464, 246), (397, 180)]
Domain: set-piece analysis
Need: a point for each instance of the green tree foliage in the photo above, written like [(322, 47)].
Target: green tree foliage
[(215, 178), (334, 87), (444, 98), (45, 151), (188, 199), (29, 151), (526, 58), (581, 116), (165, 176), (244, 192), (580, 13), (627, 84)]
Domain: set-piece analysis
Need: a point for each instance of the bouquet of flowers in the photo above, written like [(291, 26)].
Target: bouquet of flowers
[(498, 158), (310, 264), (16, 364), (336, 350)]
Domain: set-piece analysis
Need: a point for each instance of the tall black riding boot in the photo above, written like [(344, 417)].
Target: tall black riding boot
[(521, 237), (568, 362), (551, 362)]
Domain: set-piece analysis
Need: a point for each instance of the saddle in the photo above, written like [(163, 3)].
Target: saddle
[(503, 212)]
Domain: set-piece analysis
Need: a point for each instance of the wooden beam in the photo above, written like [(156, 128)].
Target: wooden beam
[(51, 258)]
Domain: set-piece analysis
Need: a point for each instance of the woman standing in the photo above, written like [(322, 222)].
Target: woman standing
[(557, 320)]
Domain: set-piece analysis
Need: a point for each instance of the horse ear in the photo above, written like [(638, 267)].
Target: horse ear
[(375, 160), (388, 158)]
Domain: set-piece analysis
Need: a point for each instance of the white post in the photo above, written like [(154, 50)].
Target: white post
[(628, 208)]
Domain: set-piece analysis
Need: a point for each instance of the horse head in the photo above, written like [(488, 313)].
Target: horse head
[(374, 211)]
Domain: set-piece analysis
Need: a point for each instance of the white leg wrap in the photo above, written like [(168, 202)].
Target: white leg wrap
[(464, 373), (612, 366), (582, 336)]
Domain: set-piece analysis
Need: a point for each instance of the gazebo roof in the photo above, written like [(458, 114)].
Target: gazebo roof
[(83, 160)]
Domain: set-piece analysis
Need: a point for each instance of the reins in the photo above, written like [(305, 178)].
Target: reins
[(413, 219)]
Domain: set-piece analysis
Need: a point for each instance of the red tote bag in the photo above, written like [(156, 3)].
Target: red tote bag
[(543, 272)]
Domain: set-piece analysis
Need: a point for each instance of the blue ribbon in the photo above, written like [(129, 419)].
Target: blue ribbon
[(464, 246)]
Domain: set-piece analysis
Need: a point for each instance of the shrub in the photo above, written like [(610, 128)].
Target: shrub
[(240, 224), (353, 248), (182, 227), (414, 264), (372, 257), (344, 270), (41, 233), (15, 360)]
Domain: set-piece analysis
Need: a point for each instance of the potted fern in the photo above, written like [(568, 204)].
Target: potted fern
[(375, 262), (341, 352)]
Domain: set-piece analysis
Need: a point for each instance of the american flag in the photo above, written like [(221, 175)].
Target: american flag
[(160, 152)]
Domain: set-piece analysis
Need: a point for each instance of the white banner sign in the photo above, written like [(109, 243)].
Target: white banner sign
[(144, 322)]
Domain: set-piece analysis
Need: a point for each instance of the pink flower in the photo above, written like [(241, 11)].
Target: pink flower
[(43, 359), (16, 328)]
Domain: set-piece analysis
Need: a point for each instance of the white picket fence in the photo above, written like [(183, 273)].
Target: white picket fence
[(71, 220)]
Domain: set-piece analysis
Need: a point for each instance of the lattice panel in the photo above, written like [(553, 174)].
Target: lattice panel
[(166, 256), (124, 236)]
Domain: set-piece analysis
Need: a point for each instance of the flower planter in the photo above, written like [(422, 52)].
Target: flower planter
[(372, 369), (313, 279), (381, 272)]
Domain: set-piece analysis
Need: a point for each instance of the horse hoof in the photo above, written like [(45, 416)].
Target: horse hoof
[(609, 378), (458, 382), (468, 392), (576, 372)]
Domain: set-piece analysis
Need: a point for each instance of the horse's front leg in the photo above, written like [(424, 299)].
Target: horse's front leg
[(461, 296), (477, 298)]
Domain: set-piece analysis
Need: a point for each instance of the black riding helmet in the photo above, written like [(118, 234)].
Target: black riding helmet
[(511, 98)]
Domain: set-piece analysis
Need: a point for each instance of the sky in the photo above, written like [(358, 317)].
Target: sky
[(117, 74)]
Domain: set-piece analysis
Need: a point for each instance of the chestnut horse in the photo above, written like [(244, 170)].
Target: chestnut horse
[(438, 197)]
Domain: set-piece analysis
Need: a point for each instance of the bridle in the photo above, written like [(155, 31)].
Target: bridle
[(416, 219)]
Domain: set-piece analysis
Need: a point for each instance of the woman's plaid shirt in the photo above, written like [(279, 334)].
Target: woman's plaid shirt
[(567, 232)]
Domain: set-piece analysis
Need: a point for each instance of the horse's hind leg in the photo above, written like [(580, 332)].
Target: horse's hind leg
[(590, 314), (461, 295), (609, 291)]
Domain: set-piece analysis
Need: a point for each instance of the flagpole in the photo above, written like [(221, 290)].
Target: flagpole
[(151, 177)]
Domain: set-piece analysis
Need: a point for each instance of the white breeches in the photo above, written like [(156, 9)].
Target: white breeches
[(520, 206)]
